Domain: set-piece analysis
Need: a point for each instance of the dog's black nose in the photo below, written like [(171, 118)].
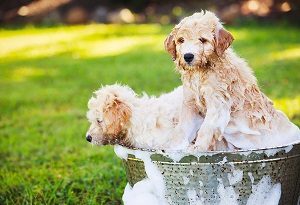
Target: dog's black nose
[(89, 138), (188, 57)]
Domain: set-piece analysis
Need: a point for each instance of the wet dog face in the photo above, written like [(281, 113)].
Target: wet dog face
[(109, 116), (196, 40)]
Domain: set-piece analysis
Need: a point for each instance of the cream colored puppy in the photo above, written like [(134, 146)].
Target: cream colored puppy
[(118, 116), (224, 88)]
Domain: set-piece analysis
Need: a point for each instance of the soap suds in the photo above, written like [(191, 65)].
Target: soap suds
[(223, 161), (273, 151), (121, 152), (227, 194), (175, 156), (235, 177), (251, 177), (141, 193), (200, 183), (193, 198), (288, 148), (265, 193), (186, 180), (274, 195), (268, 151), (149, 191)]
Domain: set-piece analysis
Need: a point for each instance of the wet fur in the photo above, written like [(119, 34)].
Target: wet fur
[(118, 116), (224, 88)]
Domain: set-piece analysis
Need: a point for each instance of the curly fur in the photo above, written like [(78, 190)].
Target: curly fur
[(118, 116), (224, 88)]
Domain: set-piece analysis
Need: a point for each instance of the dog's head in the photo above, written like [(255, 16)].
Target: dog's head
[(196, 40), (109, 114)]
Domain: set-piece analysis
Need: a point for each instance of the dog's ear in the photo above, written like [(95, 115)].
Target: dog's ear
[(170, 45), (223, 40), (116, 116)]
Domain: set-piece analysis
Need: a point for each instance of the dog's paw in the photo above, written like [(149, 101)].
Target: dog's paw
[(197, 147), (191, 148), (200, 148), (204, 140)]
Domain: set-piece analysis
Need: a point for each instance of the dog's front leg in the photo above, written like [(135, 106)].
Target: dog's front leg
[(216, 118), (190, 120)]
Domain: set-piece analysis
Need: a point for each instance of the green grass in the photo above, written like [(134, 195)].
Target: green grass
[(47, 76)]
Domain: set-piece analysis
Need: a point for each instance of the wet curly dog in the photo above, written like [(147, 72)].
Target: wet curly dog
[(224, 88), (118, 116)]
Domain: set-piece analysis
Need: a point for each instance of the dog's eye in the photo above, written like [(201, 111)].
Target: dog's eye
[(180, 40), (203, 40)]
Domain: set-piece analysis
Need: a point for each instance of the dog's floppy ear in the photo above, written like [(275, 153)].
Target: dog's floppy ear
[(116, 116), (170, 45), (223, 40)]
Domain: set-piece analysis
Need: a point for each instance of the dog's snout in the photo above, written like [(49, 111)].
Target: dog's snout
[(188, 57), (89, 138)]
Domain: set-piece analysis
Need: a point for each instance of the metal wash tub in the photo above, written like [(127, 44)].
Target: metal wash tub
[(204, 172)]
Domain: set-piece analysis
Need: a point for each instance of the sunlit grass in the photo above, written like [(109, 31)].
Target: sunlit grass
[(291, 107), (47, 76), (49, 41), (292, 53), (80, 48), (23, 73)]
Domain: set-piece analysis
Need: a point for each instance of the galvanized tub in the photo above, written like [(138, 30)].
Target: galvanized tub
[(242, 171)]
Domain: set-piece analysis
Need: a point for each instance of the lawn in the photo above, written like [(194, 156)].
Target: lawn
[(47, 76)]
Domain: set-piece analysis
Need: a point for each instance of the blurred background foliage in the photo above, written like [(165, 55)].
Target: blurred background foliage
[(144, 11), (49, 69)]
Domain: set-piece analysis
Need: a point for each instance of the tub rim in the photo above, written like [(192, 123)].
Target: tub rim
[(195, 153)]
